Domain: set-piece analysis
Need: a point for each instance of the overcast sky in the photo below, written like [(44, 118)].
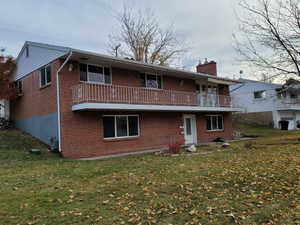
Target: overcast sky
[(206, 25)]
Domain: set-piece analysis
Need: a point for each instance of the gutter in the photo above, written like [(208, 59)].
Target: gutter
[(58, 99), (242, 85), (152, 66)]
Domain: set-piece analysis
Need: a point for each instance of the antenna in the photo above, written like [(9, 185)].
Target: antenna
[(241, 73), (116, 49), (2, 50)]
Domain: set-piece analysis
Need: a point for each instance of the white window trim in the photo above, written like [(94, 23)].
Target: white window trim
[(123, 137), (153, 74), (211, 123), (40, 72), (98, 65)]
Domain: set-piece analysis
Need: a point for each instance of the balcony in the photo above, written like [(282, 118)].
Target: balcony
[(288, 104), (112, 95)]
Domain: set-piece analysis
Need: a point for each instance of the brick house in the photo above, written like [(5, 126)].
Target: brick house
[(96, 105)]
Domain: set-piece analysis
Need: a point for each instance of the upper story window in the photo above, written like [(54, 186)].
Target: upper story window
[(214, 122), (95, 74), (151, 81), (19, 86), (259, 94), (27, 51), (207, 89), (281, 94), (293, 95), (45, 76)]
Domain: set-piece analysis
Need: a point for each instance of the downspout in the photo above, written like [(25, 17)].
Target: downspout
[(58, 99)]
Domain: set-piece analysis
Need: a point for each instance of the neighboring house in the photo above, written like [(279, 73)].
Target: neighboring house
[(267, 103), (96, 105)]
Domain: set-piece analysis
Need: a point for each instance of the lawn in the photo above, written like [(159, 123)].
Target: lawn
[(255, 183)]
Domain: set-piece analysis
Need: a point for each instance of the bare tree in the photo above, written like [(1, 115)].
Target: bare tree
[(269, 36), (141, 38)]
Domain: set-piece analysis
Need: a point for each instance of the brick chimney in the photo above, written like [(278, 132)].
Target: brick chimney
[(207, 67)]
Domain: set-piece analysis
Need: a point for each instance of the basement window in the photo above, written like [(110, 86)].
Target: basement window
[(259, 94), (151, 81), (95, 74), (120, 126), (214, 123), (45, 76)]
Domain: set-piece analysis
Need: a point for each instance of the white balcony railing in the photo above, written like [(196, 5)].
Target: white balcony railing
[(292, 101), (96, 93)]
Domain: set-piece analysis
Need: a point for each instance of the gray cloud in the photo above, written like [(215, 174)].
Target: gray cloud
[(206, 25)]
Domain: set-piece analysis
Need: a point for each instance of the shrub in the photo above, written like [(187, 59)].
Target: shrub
[(175, 146)]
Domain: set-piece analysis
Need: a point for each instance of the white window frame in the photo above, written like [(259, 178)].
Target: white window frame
[(211, 122), (19, 86), (154, 74), (46, 82), (98, 65), (264, 92), (115, 119)]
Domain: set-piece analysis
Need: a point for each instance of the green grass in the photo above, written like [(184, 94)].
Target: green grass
[(258, 130), (242, 186)]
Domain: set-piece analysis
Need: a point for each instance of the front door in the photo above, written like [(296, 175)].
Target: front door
[(190, 130)]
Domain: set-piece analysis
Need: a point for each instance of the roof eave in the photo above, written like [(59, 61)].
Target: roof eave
[(154, 67)]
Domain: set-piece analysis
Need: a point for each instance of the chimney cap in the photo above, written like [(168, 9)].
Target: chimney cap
[(205, 62)]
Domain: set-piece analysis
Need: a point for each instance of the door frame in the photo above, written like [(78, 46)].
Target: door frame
[(193, 126)]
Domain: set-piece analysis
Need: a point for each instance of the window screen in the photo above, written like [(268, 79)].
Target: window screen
[(95, 74), (109, 126), (214, 122), (45, 75), (120, 126)]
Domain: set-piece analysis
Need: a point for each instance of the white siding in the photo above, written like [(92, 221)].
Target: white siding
[(244, 96), (38, 56)]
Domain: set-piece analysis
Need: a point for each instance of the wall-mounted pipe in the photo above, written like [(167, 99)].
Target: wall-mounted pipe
[(58, 99)]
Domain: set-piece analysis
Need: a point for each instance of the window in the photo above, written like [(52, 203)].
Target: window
[(19, 86), (293, 95), (259, 94), (95, 74), (188, 126), (151, 81), (281, 94), (27, 51), (45, 76), (214, 122), (121, 126)]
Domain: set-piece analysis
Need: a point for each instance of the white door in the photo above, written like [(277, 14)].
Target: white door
[(190, 130), (212, 94)]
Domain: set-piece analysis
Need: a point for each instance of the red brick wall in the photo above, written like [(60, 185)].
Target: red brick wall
[(83, 135), (124, 77), (208, 68), (82, 132), (36, 101), (207, 136)]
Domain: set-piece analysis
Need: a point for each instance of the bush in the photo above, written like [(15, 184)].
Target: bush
[(5, 124), (175, 146)]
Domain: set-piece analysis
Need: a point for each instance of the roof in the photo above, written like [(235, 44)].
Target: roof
[(118, 61), (261, 82)]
